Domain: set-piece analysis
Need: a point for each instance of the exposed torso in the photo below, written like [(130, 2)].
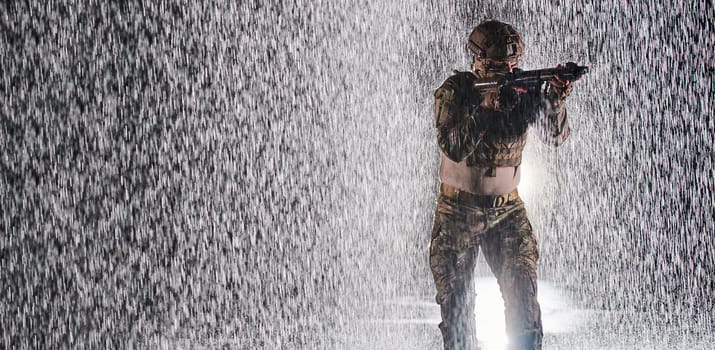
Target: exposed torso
[(475, 179)]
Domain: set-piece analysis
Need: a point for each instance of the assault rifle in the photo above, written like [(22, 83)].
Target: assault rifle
[(531, 78)]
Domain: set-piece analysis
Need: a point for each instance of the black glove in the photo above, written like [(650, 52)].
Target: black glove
[(509, 97), (561, 87)]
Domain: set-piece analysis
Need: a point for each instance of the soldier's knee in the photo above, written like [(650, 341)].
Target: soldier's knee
[(527, 256), (446, 292)]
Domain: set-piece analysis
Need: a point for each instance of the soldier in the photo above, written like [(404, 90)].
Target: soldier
[(481, 136)]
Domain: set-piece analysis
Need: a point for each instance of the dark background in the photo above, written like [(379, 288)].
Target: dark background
[(263, 175)]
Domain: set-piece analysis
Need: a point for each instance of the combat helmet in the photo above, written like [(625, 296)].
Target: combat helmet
[(496, 41)]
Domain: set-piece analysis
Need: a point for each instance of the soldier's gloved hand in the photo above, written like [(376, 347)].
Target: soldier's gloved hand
[(561, 87), (509, 97)]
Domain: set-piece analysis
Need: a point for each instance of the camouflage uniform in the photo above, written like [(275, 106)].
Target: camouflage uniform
[(464, 222)]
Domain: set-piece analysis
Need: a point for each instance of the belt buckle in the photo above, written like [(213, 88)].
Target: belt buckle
[(498, 201)]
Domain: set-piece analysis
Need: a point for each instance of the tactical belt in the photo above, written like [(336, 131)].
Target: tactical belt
[(476, 200)]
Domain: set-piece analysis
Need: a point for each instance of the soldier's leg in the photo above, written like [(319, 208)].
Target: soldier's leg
[(512, 254), (452, 258)]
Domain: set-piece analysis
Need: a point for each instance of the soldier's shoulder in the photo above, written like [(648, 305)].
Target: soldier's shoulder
[(460, 78), (458, 82)]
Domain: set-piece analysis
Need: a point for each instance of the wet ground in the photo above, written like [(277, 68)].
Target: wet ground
[(413, 324), (565, 326)]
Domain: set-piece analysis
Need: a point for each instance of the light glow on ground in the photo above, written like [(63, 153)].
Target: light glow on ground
[(556, 313)]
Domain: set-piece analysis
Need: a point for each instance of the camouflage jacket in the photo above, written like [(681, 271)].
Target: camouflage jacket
[(494, 137)]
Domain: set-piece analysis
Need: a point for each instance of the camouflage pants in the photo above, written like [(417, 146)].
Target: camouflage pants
[(506, 239)]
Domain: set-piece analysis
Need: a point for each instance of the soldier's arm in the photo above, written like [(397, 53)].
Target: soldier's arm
[(553, 128), (458, 132)]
